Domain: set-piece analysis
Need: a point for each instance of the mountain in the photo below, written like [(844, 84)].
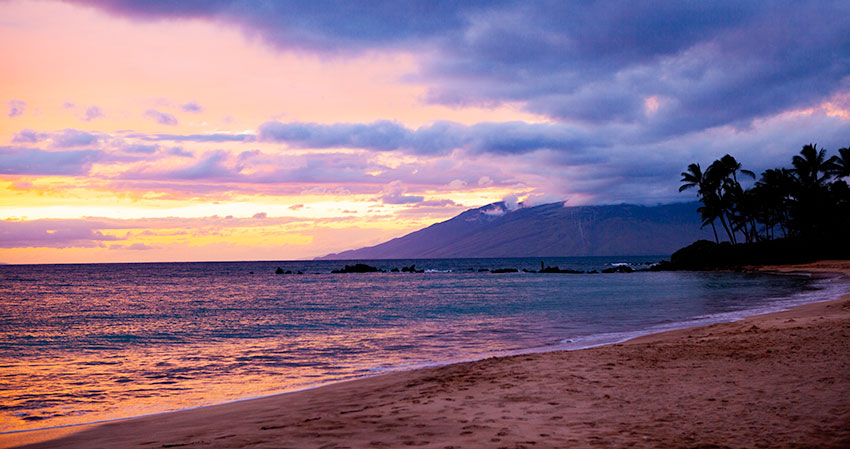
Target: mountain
[(548, 230)]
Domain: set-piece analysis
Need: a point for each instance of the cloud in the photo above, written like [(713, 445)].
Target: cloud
[(394, 193), (438, 138), (321, 190), (191, 107), (31, 161), (70, 138), (28, 136), (132, 247), (92, 113), (260, 215), (457, 184), (380, 135), (210, 167), (140, 148), (328, 26), (52, 234), (163, 118), (16, 108), (698, 65), (219, 137), (178, 151)]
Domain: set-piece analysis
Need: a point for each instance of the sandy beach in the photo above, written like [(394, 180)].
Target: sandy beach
[(774, 381)]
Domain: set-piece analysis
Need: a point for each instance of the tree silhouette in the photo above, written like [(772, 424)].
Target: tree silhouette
[(840, 165), (809, 200)]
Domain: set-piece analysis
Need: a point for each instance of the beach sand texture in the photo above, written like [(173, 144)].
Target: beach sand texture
[(780, 380)]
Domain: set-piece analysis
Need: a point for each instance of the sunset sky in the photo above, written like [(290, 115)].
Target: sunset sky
[(140, 131)]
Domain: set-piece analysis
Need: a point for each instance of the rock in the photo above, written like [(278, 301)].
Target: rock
[(558, 270), (619, 269), (279, 270), (359, 268)]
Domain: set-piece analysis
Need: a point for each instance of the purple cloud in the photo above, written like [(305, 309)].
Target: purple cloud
[(92, 113), (28, 136), (163, 118), (380, 135), (132, 247), (438, 138), (178, 151), (70, 138), (211, 167), (53, 234), (16, 108), (219, 137), (30, 161), (140, 148), (394, 193), (704, 64), (192, 107)]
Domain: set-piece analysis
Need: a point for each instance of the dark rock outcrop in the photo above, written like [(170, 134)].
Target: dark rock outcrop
[(359, 268)]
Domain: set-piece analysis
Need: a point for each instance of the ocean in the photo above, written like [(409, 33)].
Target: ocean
[(94, 342)]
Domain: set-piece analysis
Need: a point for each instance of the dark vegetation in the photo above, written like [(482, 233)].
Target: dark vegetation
[(789, 215)]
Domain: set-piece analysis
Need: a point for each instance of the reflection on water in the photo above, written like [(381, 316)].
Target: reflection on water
[(80, 343)]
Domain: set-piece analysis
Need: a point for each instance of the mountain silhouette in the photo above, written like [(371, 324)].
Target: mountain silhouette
[(548, 230)]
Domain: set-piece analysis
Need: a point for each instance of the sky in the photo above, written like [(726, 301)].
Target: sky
[(150, 130)]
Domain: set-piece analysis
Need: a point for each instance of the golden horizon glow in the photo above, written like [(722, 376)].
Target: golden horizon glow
[(79, 70)]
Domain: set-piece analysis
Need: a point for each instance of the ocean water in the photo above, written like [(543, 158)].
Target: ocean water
[(86, 343)]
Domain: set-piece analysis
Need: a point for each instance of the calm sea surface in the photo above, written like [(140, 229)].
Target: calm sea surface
[(83, 343)]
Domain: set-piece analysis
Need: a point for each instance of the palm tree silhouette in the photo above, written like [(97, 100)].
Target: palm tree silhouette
[(840, 164), (695, 178), (811, 166), (809, 202)]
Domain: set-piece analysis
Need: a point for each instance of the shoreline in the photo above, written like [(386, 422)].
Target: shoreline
[(342, 401)]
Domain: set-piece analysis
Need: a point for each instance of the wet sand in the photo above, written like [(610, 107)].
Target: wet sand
[(779, 380)]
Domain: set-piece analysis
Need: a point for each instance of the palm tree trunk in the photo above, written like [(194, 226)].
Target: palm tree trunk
[(714, 229), (726, 227)]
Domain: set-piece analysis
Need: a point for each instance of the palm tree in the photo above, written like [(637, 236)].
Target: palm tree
[(695, 178), (722, 176), (811, 166), (732, 167), (810, 210), (692, 178), (775, 192), (840, 164), (708, 214)]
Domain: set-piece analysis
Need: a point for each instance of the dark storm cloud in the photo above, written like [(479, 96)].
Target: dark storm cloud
[(634, 90), (707, 63), (328, 26)]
